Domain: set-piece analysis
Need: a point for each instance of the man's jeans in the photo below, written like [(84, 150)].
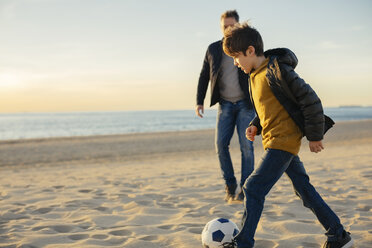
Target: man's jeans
[(271, 167), (230, 115)]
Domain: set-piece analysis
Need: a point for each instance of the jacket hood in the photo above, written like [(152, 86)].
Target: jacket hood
[(283, 55)]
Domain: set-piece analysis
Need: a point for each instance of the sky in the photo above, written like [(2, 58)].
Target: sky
[(95, 55)]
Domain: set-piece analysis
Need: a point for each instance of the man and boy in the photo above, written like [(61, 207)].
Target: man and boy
[(229, 88), (286, 110)]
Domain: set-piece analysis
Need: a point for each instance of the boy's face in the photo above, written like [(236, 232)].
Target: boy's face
[(227, 22), (245, 62)]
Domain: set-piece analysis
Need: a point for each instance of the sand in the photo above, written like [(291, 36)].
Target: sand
[(160, 189)]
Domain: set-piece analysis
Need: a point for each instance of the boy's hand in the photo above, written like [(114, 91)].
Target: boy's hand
[(316, 146), (198, 109), (250, 132)]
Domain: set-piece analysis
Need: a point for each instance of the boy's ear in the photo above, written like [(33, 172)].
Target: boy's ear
[(251, 50)]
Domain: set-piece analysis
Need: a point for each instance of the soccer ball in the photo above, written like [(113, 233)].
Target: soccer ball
[(218, 231)]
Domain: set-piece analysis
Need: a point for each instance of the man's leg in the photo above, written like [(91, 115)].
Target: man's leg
[(244, 117), (224, 132), (312, 200), (257, 186)]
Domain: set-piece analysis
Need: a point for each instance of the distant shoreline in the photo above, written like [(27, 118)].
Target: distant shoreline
[(103, 136), (58, 125), (159, 110)]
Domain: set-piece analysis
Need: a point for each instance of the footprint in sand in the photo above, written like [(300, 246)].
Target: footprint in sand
[(101, 209), (144, 203), (265, 244), (165, 227), (149, 238), (272, 214), (85, 190), (24, 246), (85, 226), (100, 193), (116, 241), (38, 228), (195, 230), (166, 204), (14, 216), (185, 205), (100, 236), (42, 210), (78, 236), (191, 225), (121, 233), (289, 214), (154, 196), (47, 190), (364, 208), (194, 215), (59, 186), (307, 222), (62, 228), (310, 245)]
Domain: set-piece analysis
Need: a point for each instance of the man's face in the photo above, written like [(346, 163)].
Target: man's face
[(227, 22), (244, 62)]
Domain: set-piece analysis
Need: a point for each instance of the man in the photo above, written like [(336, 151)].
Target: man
[(229, 88)]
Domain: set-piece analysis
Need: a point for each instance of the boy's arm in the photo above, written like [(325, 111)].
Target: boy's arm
[(308, 102)]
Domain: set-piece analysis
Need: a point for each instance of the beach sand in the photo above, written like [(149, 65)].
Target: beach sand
[(160, 189)]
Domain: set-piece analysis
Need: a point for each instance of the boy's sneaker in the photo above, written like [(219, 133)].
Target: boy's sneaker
[(230, 192), (344, 242), (231, 244)]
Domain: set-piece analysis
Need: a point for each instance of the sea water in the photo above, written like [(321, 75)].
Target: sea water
[(46, 125)]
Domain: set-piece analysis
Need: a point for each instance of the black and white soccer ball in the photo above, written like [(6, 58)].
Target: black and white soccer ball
[(217, 232)]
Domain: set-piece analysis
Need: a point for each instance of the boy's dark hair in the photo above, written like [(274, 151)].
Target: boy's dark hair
[(240, 37), (230, 13)]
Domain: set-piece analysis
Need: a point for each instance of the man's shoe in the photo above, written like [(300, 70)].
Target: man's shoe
[(230, 192), (343, 242), (240, 196)]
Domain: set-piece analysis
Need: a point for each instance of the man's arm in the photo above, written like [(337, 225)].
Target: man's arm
[(202, 86), (199, 110), (203, 80)]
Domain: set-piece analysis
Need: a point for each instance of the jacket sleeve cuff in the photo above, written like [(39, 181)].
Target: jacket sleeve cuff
[(256, 122)]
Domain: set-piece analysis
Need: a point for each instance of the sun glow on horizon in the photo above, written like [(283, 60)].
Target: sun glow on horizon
[(9, 79), (137, 55)]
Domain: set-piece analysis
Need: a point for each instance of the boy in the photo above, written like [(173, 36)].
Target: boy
[(287, 109)]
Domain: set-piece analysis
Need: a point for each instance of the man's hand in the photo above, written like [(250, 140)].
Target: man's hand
[(198, 109), (250, 132), (316, 146)]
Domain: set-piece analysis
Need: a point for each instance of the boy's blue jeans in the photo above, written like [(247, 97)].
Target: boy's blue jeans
[(271, 167), (230, 115)]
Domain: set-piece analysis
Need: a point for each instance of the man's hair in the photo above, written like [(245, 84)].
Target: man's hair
[(230, 13), (240, 37)]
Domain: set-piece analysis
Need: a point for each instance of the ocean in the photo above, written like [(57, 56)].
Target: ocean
[(47, 125)]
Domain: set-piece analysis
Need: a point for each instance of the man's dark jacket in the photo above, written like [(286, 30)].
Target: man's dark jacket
[(297, 97), (210, 71)]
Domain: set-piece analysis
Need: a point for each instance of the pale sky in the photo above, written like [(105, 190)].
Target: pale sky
[(111, 55)]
